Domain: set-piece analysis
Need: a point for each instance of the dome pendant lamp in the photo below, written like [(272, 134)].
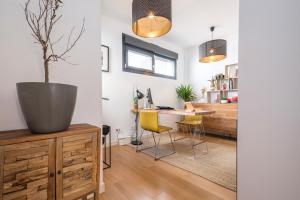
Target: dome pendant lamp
[(213, 50), (151, 18)]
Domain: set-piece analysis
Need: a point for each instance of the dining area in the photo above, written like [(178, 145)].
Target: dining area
[(190, 128), (201, 140)]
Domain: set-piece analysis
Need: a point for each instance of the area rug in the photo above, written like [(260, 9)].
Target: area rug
[(218, 165)]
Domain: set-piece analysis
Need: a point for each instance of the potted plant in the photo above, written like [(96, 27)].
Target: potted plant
[(48, 107), (135, 103), (224, 100), (219, 78), (186, 93)]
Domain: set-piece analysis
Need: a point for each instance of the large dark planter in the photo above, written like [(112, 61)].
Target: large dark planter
[(47, 107)]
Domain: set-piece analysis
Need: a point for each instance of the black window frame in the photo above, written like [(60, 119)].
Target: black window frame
[(145, 51)]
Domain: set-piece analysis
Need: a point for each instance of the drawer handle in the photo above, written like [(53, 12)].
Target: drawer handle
[(58, 172), (51, 174)]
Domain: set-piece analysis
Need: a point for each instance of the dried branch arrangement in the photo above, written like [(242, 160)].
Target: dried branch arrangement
[(41, 24)]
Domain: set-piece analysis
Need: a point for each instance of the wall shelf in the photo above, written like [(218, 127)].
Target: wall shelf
[(218, 91), (231, 81)]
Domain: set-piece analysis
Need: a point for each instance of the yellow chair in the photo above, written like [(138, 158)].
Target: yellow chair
[(149, 122), (193, 122)]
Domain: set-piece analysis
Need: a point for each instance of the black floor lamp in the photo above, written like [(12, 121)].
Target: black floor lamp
[(136, 141)]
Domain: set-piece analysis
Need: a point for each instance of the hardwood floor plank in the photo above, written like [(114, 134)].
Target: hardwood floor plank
[(136, 176)]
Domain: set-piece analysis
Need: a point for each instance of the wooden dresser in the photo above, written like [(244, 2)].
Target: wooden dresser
[(223, 121), (62, 166)]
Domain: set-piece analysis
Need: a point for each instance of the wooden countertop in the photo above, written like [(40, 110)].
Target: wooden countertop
[(24, 135), (177, 111), (228, 111)]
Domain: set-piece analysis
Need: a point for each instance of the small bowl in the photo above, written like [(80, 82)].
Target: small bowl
[(224, 101)]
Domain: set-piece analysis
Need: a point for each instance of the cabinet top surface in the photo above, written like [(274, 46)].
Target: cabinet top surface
[(24, 135)]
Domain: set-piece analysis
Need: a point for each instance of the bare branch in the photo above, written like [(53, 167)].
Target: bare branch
[(58, 40), (27, 13), (46, 18), (41, 24), (69, 38), (66, 61), (69, 48)]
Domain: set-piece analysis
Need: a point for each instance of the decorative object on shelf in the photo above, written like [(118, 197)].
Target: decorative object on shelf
[(135, 140), (235, 99), (151, 18), (105, 58), (219, 78), (212, 84), (225, 85), (203, 91), (186, 93), (106, 135), (213, 50), (202, 99), (224, 100), (231, 71), (231, 74), (48, 107)]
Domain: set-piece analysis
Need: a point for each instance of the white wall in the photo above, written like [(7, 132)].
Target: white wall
[(20, 60), (269, 109), (118, 85), (198, 73)]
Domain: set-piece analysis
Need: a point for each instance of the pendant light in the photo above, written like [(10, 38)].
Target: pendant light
[(213, 50), (151, 18)]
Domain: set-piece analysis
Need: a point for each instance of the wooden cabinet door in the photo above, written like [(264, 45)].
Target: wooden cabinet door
[(76, 165), (28, 171)]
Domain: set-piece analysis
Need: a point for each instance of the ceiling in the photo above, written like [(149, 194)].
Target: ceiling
[(191, 19)]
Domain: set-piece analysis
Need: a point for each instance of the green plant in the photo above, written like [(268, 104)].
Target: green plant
[(220, 77), (186, 93), (135, 100), (224, 98)]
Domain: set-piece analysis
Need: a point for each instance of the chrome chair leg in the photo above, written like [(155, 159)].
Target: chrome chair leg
[(182, 138), (171, 141), (139, 150), (204, 137), (154, 138), (137, 146), (156, 148), (202, 141)]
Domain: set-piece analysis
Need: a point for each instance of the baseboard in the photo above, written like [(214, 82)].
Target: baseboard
[(102, 188), (127, 140)]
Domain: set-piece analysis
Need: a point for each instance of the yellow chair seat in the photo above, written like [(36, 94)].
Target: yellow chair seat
[(191, 120), (163, 129), (187, 122)]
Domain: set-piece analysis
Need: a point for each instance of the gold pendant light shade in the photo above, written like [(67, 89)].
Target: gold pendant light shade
[(151, 18), (213, 50)]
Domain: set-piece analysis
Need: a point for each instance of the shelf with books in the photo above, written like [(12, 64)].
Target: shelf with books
[(225, 87)]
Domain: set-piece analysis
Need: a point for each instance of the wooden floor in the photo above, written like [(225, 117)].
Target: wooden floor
[(136, 176)]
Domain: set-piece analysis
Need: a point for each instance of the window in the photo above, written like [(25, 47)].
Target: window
[(138, 59), (145, 58), (164, 66)]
